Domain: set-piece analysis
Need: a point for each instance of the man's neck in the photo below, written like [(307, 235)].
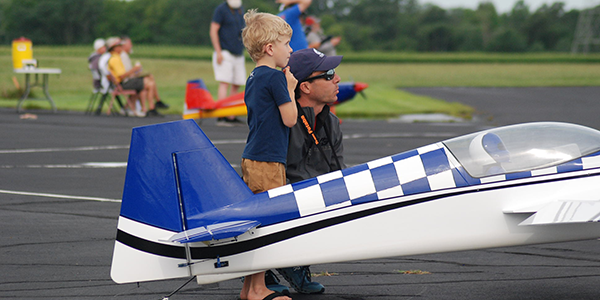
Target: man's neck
[(317, 107)]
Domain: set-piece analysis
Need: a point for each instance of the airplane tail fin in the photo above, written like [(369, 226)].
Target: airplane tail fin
[(197, 96), (173, 172)]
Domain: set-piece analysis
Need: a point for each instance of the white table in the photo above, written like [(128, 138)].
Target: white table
[(28, 84)]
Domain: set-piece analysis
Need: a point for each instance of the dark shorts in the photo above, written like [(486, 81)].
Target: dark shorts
[(136, 83)]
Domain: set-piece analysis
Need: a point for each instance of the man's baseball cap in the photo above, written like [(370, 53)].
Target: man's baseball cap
[(304, 62)]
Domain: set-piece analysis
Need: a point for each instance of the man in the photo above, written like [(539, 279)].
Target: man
[(315, 145), (228, 58), (127, 50), (291, 13)]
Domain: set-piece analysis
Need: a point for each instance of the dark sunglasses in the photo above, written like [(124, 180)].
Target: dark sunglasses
[(327, 75)]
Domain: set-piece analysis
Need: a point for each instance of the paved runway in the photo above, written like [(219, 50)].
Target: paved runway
[(61, 178)]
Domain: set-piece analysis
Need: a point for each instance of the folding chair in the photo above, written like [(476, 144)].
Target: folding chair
[(110, 86), (115, 93), (96, 91)]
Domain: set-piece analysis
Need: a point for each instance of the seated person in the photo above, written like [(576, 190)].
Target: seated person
[(93, 59), (128, 49), (489, 152), (143, 85)]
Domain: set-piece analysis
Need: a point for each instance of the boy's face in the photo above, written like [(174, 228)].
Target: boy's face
[(282, 51)]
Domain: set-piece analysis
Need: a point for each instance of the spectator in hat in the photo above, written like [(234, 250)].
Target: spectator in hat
[(93, 59), (142, 85), (315, 143)]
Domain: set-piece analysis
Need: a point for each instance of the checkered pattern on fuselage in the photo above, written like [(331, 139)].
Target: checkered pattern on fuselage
[(426, 169), (421, 170)]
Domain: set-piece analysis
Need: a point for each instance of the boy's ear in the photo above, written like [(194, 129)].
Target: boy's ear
[(269, 49)]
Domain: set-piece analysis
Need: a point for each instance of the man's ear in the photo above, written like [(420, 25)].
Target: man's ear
[(305, 87)]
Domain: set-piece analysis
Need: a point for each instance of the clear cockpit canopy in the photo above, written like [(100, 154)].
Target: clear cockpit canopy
[(522, 147)]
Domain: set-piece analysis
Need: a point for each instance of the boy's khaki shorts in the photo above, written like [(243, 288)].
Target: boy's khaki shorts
[(262, 175)]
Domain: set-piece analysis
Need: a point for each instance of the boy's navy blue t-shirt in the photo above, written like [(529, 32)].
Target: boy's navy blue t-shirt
[(266, 89)]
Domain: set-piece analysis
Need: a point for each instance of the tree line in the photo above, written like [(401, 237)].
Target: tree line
[(383, 25)]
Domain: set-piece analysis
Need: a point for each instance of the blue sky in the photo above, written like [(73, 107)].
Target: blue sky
[(503, 6)]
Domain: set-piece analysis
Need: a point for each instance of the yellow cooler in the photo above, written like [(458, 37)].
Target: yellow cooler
[(21, 49)]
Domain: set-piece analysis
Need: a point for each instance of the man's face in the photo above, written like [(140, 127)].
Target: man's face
[(323, 90), (127, 46)]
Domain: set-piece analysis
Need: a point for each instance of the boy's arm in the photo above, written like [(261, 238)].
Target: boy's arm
[(288, 110)]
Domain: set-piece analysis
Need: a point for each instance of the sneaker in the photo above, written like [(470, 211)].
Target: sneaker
[(153, 113), (235, 122), (299, 279), (272, 282), (139, 113), (161, 105), (230, 122), (224, 122)]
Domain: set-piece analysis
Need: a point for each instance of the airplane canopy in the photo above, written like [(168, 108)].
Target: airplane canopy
[(522, 147)]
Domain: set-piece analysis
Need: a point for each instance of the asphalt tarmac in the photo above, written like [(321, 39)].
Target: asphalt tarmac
[(61, 180)]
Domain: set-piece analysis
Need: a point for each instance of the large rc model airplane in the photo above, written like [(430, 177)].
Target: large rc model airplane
[(199, 103), (186, 211)]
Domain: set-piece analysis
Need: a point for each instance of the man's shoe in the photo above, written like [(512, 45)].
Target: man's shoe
[(153, 113), (299, 279), (161, 105), (272, 283), (235, 122)]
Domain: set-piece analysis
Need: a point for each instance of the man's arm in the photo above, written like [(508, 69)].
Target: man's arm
[(214, 38), (302, 4)]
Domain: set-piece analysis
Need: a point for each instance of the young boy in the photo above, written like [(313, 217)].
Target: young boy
[(270, 100)]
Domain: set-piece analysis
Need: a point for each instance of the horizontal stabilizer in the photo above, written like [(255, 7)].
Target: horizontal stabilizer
[(214, 232), (563, 212)]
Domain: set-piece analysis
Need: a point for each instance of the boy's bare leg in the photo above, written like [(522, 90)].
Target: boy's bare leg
[(255, 288)]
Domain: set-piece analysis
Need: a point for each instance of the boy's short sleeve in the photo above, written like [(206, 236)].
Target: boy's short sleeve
[(279, 88)]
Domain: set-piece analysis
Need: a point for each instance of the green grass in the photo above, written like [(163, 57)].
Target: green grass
[(173, 66)]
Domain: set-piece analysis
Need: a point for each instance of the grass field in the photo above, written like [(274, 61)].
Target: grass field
[(174, 66)]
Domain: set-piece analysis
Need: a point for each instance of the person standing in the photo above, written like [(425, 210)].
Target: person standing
[(228, 57), (272, 112), (291, 13)]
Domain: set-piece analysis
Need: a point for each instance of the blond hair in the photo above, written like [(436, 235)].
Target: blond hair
[(262, 29)]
